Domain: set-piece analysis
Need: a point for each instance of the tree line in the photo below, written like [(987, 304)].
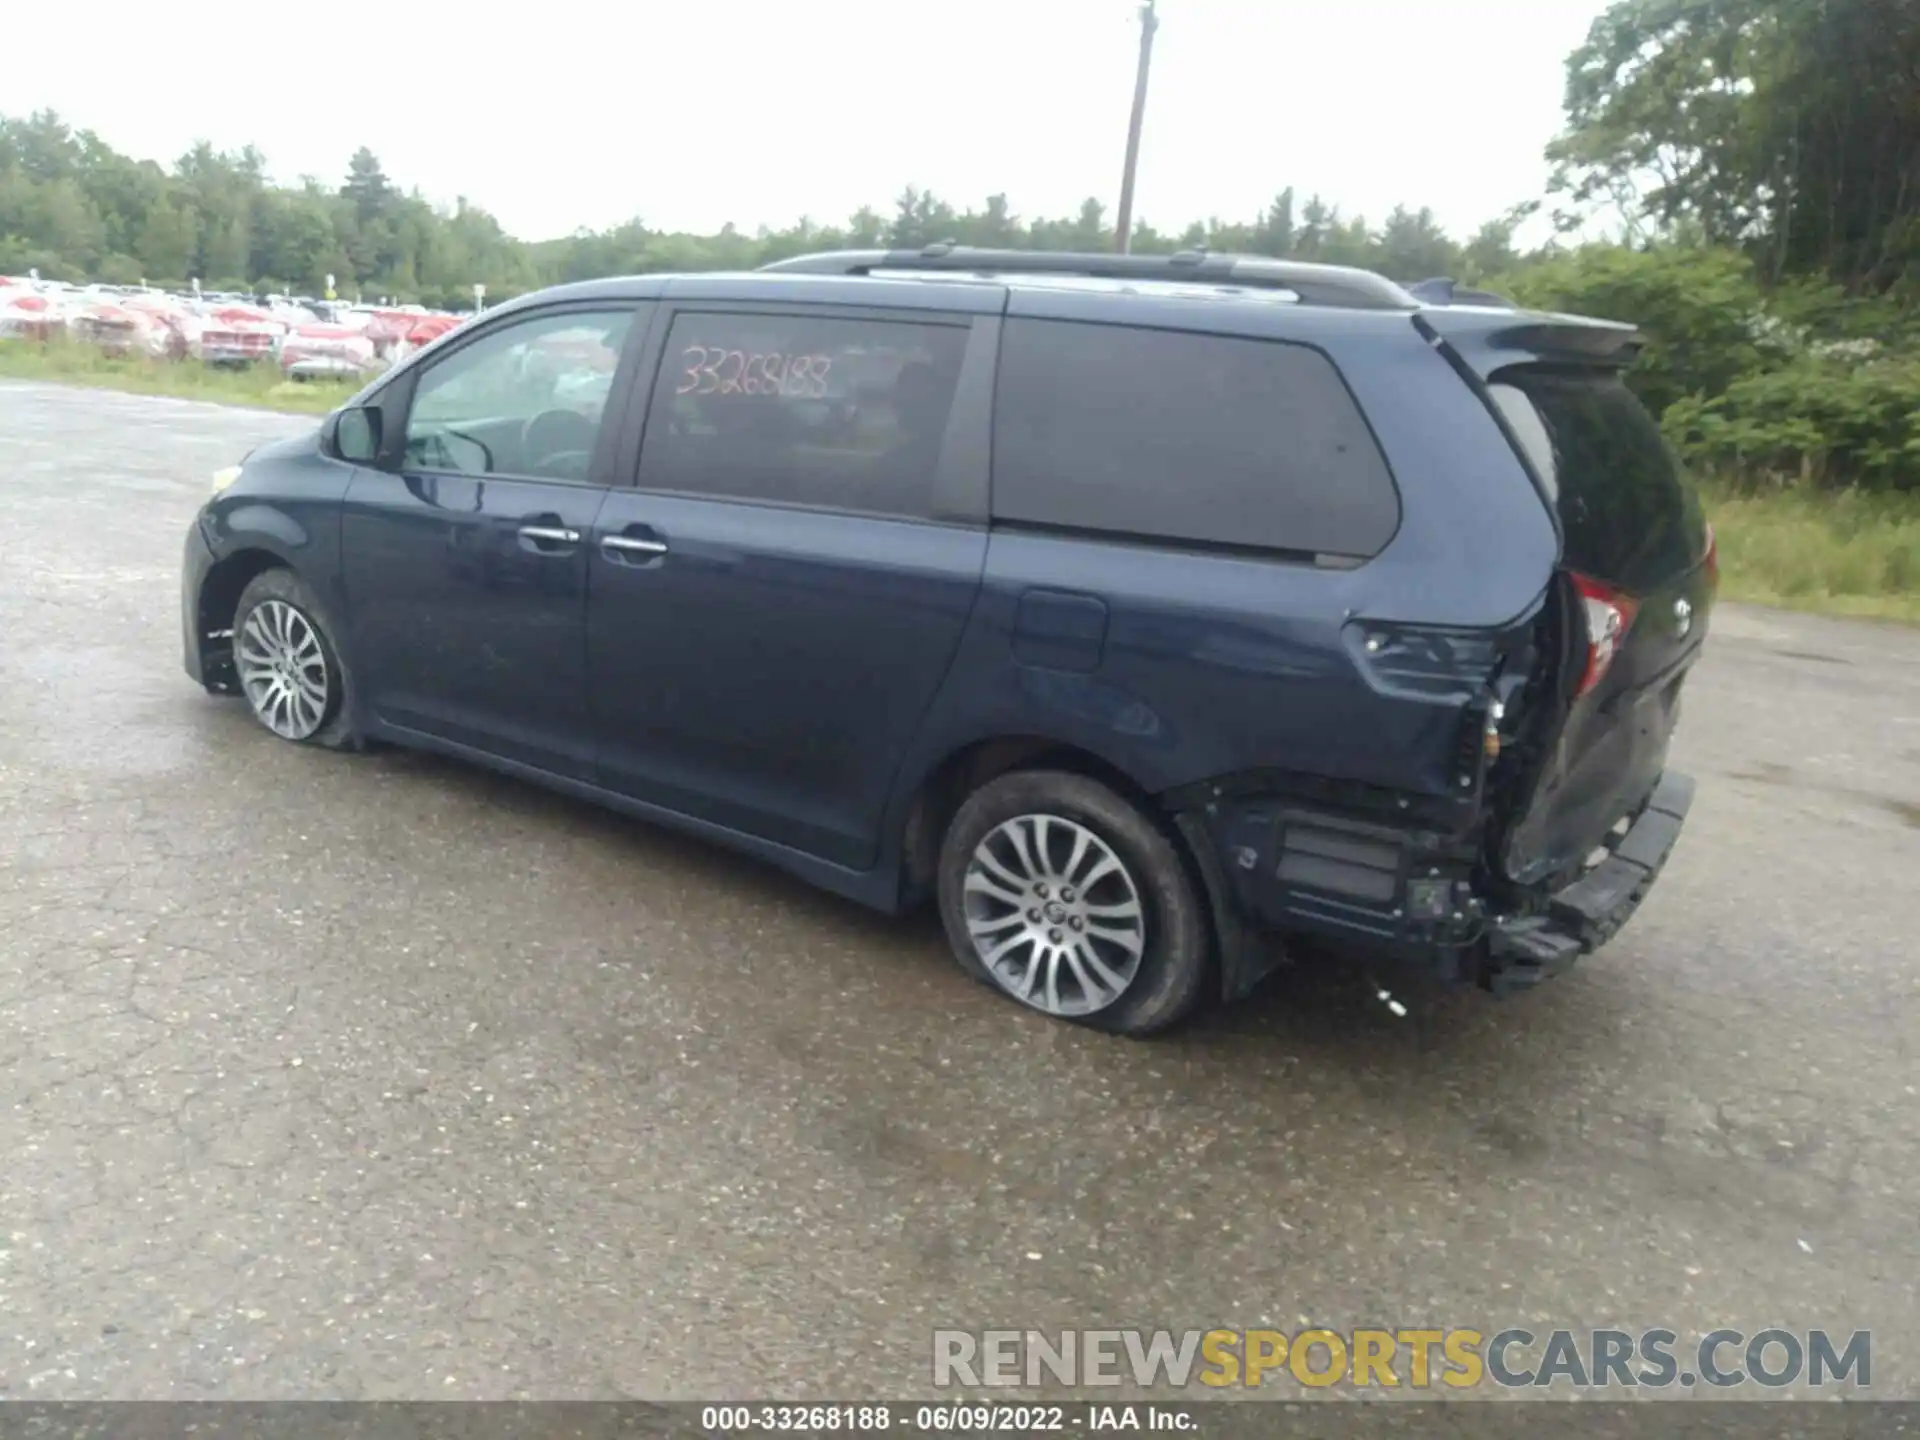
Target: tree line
[(74, 208)]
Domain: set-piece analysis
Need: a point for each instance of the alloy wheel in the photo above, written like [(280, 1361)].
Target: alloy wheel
[(1054, 915), (283, 669)]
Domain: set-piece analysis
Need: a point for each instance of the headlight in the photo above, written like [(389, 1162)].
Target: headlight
[(223, 478)]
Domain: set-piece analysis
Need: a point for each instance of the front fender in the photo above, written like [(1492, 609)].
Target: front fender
[(286, 504), (260, 526)]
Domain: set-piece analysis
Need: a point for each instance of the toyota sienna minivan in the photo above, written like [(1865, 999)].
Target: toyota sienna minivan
[(1145, 613)]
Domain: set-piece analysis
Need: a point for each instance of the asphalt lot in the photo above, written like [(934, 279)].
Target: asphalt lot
[(379, 1077)]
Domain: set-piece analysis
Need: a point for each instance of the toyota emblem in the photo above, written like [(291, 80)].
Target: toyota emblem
[(1682, 618)]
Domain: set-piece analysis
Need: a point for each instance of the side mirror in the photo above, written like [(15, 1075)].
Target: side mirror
[(352, 434)]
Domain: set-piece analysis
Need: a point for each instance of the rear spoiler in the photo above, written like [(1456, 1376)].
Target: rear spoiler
[(1488, 340)]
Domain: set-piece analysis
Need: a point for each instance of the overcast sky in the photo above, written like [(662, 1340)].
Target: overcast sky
[(690, 113)]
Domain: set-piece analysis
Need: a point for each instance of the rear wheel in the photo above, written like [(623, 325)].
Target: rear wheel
[(288, 664), (1061, 893)]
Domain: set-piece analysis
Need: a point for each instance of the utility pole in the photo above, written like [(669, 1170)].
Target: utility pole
[(1123, 223)]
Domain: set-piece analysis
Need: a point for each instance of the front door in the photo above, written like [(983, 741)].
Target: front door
[(465, 563), (774, 605)]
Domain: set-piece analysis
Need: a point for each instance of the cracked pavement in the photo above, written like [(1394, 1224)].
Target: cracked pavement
[(381, 1077)]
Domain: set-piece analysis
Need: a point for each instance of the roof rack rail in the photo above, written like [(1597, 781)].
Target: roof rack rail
[(1441, 291), (1331, 285)]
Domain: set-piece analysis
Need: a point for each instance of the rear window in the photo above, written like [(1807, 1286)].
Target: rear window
[(1176, 436), (1630, 515)]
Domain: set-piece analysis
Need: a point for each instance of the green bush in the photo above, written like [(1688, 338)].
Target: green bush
[(118, 270), (17, 257), (1820, 312), (460, 302), (1820, 421)]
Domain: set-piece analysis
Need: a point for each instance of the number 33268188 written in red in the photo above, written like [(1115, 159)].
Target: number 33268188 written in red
[(711, 370)]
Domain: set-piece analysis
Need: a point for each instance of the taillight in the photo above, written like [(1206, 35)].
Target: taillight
[(1712, 558), (1609, 615)]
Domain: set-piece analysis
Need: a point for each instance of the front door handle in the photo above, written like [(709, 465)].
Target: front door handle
[(638, 547), (544, 538)]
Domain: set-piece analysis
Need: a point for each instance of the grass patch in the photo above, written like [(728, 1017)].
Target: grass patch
[(1844, 552), (259, 386)]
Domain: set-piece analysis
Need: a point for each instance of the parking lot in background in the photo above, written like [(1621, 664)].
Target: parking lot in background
[(381, 1077)]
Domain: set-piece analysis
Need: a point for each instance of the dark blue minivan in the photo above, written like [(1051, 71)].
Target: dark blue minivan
[(1147, 612)]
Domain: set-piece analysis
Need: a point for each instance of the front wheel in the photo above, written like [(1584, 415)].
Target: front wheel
[(288, 664), (1061, 893)]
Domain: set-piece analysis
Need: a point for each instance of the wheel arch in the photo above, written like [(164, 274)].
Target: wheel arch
[(1241, 954), (214, 607), (948, 782)]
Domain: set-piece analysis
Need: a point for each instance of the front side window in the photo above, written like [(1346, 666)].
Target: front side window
[(802, 410), (526, 399)]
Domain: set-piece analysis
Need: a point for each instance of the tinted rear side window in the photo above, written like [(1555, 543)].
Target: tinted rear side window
[(1185, 437), (1630, 515)]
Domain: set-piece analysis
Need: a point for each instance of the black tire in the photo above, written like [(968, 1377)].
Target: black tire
[(1176, 960), (336, 730)]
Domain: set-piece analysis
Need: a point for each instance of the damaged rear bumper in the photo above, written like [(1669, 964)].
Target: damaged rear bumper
[(1411, 894), (1584, 915)]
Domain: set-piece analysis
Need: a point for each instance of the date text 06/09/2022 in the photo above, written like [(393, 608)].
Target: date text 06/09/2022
[(946, 1419)]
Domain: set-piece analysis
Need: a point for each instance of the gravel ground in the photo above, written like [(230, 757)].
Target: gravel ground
[(381, 1077)]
